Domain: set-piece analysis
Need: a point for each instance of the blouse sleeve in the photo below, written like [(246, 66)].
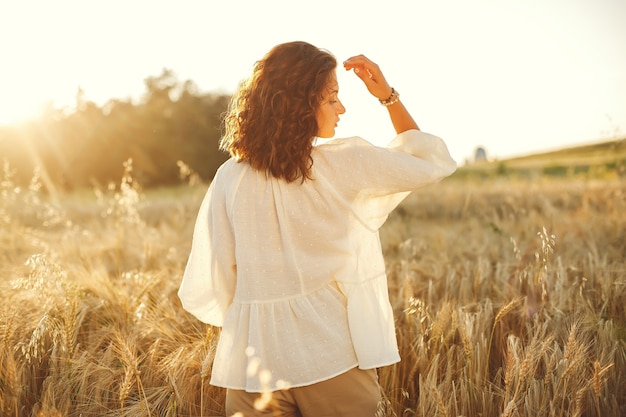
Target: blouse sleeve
[(383, 176), (416, 159), (208, 283)]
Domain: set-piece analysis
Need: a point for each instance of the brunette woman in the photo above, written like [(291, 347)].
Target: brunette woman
[(286, 256)]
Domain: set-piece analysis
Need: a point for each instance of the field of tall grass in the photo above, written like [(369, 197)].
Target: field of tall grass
[(510, 299)]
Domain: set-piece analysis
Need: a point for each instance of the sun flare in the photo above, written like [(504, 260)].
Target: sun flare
[(26, 94), (16, 110)]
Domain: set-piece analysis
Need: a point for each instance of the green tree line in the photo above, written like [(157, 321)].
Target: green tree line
[(88, 146)]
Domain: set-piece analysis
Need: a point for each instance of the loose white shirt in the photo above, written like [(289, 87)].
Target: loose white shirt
[(294, 272)]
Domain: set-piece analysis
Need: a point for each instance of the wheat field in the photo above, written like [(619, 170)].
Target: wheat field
[(509, 296)]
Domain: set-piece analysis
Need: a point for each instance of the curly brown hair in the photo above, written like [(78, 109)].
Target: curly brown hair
[(271, 120)]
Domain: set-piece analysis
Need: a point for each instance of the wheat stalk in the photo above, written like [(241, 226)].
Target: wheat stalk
[(126, 385), (501, 313), (205, 370), (442, 410), (598, 380), (578, 402)]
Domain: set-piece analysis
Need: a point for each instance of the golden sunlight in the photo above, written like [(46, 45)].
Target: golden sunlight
[(30, 95), (31, 88), (14, 110)]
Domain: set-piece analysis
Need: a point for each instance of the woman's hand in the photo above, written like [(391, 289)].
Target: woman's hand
[(377, 85), (370, 74)]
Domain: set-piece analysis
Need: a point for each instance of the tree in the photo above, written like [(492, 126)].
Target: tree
[(171, 122)]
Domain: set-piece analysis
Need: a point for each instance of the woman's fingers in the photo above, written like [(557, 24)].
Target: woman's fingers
[(369, 73), (360, 64)]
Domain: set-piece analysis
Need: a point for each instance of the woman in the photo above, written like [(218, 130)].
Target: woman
[(286, 255)]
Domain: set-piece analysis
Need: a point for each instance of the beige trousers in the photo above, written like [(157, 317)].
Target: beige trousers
[(355, 393)]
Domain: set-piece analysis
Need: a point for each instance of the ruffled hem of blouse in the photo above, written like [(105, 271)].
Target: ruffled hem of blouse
[(260, 347)]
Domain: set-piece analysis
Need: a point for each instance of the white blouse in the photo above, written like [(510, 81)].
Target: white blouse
[(294, 272)]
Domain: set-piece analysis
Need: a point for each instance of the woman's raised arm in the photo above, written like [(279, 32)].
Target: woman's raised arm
[(377, 85)]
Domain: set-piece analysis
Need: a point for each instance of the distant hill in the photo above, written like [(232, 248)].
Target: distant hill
[(601, 160)]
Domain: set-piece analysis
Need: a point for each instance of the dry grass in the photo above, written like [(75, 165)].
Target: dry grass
[(509, 298)]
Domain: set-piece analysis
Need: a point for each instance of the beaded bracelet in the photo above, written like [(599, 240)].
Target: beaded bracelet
[(393, 98)]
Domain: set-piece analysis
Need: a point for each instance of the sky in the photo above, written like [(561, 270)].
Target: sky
[(515, 77)]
